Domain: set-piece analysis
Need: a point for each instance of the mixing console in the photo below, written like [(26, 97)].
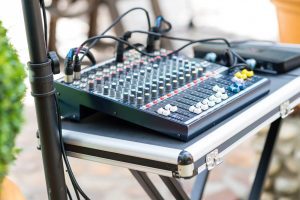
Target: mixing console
[(174, 95)]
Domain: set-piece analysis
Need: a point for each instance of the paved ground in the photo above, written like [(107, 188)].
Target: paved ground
[(212, 18)]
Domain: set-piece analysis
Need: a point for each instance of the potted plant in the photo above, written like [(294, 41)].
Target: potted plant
[(12, 90), (288, 14)]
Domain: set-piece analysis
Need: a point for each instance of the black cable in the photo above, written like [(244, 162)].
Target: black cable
[(116, 21), (42, 4), (116, 39), (236, 55), (168, 24), (161, 35), (67, 163), (69, 194), (89, 55)]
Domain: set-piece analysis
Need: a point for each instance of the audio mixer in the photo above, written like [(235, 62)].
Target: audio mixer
[(172, 94)]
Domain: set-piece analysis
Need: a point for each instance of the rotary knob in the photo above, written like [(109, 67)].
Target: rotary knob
[(188, 78), (161, 91), (154, 94), (146, 97), (139, 101), (175, 84), (105, 90), (181, 81), (132, 99), (125, 97), (91, 86), (168, 87)]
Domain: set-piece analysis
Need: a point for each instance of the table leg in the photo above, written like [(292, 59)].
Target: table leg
[(175, 188), (199, 185), (146, 184), (265, 160)]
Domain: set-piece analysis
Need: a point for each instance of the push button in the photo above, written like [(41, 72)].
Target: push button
[(211, 104), (173, 109), (205, 101), (218, 100), (192, 108), (224, 96), (160, 111), (197, 110), (166, 112), (204, 107)]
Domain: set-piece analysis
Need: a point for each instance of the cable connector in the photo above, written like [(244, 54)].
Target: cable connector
[(153, 41), (121, 47), (77, 68), (69, 67)]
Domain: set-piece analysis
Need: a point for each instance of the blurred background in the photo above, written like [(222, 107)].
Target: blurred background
[(71, 22)]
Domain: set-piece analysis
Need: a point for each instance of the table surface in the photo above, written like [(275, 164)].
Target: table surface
[(106, 133)]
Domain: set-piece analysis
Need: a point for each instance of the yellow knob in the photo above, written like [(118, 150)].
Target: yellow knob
[(244, 76), (250, 74), (238, 75), (245, 71)]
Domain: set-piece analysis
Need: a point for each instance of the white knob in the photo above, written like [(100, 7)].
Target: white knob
[(192, 108), (211, 103), (197, 110)]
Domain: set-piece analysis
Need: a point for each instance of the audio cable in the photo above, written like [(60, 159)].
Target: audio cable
[(115, 22)]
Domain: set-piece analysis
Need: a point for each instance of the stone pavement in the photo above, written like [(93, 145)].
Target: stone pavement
[(230, 180)]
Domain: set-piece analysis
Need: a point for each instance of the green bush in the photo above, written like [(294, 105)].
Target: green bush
[(12, 90)]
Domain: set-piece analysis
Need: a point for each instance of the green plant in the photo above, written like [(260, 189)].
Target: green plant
[(12, 90)]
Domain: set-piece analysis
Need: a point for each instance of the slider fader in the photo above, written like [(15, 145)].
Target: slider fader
[(173, 95)]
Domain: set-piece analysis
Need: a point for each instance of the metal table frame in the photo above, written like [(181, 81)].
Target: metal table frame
[(41, 79)]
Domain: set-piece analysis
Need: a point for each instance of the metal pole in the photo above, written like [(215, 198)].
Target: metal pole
[(199, 185), (175, 188), (146, 184), (265, 160), (41, 79)]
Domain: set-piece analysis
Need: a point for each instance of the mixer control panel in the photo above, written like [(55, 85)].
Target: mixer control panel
[(174, 95)]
